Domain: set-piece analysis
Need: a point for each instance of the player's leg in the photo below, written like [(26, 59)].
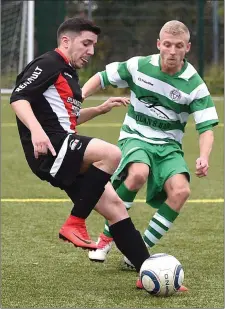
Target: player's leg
[(178, 190), (128, 240), (100, 160), (170, 200), (126, 237), (167, 163), (128, 179), (97, 161), (136, 177), (127, 192), (137, 174), (171, 186)]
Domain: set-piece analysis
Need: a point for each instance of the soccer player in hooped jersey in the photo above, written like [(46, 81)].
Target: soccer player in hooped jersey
[(164, 90)]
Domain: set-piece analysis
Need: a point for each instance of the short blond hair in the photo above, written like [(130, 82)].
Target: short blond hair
[(175, 27)]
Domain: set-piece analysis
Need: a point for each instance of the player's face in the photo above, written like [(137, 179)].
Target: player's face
[(172, 50), (81, 48)]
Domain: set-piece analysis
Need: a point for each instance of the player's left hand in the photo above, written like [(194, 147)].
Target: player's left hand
[(202, 167), (113, 102)]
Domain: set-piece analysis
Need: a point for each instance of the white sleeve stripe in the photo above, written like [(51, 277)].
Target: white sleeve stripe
[(111, 70), (200, 92), (205, 115), (132, 64), (113, 75), (101, 80)]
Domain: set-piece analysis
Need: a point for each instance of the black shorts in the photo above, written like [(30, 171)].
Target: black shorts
[(60, 171)]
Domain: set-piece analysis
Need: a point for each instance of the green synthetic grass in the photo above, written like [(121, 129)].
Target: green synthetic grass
[(39, 271)]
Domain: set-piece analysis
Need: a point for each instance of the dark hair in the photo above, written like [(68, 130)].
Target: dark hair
[(77, 25)]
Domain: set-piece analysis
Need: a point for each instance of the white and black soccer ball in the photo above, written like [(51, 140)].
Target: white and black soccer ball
[(161, 274)]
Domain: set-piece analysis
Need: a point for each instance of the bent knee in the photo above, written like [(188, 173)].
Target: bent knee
[(104, 155), (137, 177), (180, 193), (114, 156)]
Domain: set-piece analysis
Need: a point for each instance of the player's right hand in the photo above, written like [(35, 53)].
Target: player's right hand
[(41, 143), (202, 167)]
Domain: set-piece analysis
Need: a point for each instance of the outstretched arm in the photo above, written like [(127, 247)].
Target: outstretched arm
[(91, 86), (116, 74), (91, 112), (206, 140)]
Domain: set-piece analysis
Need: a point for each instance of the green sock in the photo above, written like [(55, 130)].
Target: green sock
[(160, 224), (127, 197)]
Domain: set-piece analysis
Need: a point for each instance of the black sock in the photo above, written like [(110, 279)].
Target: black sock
[(129, 241), (87, 190)]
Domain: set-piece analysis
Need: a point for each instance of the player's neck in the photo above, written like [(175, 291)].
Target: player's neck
[(169, 70), (63, 53)]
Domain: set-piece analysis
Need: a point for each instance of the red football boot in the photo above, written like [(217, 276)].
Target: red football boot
[(74, 230)]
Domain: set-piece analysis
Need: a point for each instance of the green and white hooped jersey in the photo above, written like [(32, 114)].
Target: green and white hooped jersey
[(160, 103)]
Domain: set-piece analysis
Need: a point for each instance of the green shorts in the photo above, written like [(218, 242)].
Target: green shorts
[(164, 160)]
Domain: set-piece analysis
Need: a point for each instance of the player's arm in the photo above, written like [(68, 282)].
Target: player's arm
[(116, 74), (34, 82), (206, 140), (206, 118), (91, 86), (91, 112), (40, 140)]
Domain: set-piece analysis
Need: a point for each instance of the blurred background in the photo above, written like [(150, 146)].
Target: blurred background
[(129, 28)]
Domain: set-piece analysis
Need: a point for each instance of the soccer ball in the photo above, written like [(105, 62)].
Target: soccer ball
[(161, 274)]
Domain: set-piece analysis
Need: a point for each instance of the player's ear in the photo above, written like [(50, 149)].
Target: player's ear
[(158, 44), (65, 41), (188, 47)]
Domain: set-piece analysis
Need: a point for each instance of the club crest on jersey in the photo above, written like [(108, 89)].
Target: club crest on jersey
[(175, 95)]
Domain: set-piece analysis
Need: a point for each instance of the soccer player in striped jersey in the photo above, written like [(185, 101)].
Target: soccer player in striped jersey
[(164, 90)]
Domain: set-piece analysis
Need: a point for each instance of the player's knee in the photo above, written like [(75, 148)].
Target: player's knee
[(181, 193), (110, 159), (117, 212), (136, 179), (113, 157)]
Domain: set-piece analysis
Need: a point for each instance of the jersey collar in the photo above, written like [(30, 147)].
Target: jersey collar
[(62, 55), (177, 73)]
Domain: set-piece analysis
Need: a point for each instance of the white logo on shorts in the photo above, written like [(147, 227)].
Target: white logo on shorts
[(73, 144), (79, 147)]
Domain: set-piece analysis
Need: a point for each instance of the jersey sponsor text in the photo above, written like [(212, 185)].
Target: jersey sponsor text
[(30, 79)]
